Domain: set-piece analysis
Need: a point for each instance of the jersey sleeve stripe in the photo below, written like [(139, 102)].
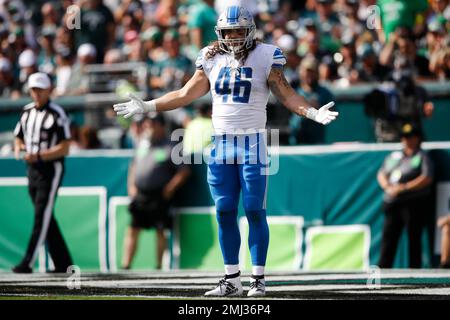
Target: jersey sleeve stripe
[(199, 61), (63, 116), (278, 59), (277, 52), (17, 129)]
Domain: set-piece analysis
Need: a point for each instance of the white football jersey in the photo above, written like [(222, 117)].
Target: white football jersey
[(239, 96)]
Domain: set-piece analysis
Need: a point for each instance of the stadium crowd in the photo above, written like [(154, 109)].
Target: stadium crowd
[(337, 42), (345, 38)]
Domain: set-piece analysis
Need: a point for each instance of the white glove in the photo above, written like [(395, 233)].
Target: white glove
[(323, 115), (135, 106)]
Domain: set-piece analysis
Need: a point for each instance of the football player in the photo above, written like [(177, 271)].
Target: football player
[(240, 72)]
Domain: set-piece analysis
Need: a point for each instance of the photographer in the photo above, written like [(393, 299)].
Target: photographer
[(403, 101)]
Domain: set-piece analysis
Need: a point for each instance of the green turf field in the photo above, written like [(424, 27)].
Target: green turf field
[(175, 285)]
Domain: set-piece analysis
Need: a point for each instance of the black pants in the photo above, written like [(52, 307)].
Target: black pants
[(150, 210), (43, 186), (410, 214)]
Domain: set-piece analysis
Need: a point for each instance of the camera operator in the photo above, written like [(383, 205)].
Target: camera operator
[(397, 103)]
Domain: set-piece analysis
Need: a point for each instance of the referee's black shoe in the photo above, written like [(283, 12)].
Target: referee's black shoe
[(22, 269)]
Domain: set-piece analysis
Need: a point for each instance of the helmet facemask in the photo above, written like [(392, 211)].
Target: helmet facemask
[(236, 45)]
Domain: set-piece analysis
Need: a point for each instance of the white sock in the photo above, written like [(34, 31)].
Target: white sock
[(258, 270), (231, 269)]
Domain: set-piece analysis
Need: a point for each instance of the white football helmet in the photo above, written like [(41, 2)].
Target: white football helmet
[(235, 17)]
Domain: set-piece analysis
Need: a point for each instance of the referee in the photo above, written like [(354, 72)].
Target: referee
[(43, 133)]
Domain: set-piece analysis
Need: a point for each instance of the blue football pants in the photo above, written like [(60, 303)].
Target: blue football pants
[(239, 163)]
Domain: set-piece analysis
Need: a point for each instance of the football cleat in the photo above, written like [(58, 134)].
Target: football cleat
[(227, 288), (257, 288)]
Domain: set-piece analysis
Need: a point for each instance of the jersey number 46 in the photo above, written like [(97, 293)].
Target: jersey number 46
[(239, 80)]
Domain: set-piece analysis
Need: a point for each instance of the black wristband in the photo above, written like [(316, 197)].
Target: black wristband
[(39, 159)]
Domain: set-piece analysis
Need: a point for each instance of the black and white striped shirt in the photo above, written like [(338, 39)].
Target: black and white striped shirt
[(40, 129)]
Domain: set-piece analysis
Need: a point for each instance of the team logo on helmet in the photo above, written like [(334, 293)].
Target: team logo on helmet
[(235, 17)]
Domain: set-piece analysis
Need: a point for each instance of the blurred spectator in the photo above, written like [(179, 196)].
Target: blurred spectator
[(435, 39), (352, 27), (78, 81), (309, 43), (393, 106), (444, 224), (16, 42), (13, 12), (114, 56), (367, 67), (440, 64), (3, 31), (199, 130), (27, 63), (438, 50), (137, 131), (202, 21), (8, 86), (97, 27), (346, 63), (133, 7), (174, 69), (47, 55), (171, 73), (308, 11), (64, 62), (440, 13), (128, 23), (89, 138), (401, 45), (309, 132), (166, 13), (75, 144), (365, 10), (284, 14), (64, 38), (153, 179), (49, 15), (406, 178), (152, 45), (133, 46), (400, 13), (288, 44), (329, 25), (314, 28)]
